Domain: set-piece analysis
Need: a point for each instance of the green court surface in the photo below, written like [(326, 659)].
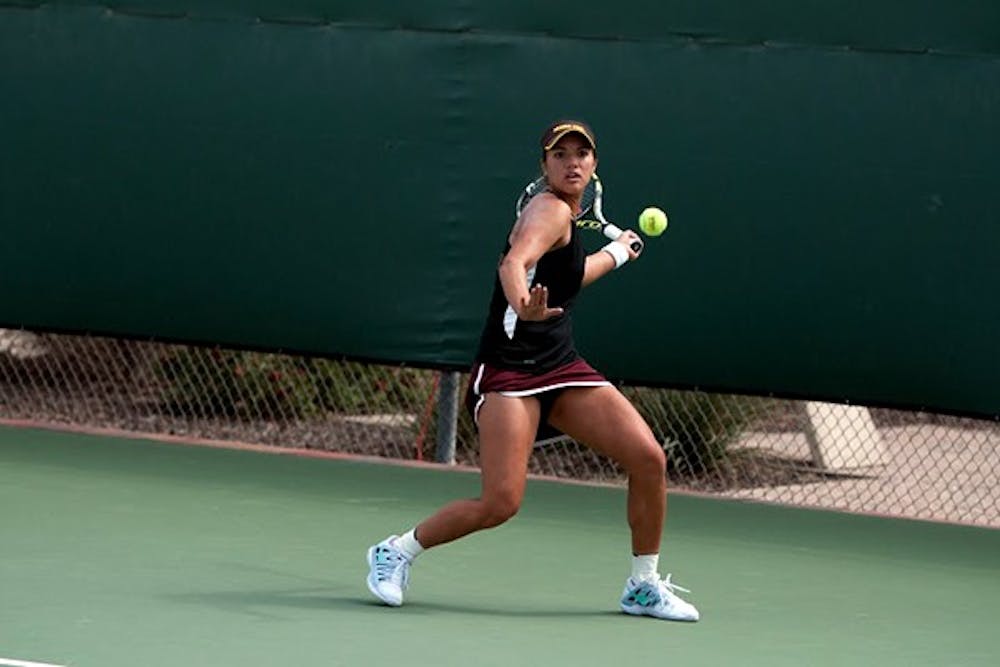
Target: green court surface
[(126, 553)]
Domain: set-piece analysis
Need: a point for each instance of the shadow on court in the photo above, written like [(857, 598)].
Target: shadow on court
[(256, 602)]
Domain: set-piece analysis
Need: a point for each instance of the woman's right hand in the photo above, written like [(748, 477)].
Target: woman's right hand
[(536, 307)]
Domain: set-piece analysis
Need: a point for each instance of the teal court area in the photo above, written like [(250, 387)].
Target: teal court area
[(124, 552)]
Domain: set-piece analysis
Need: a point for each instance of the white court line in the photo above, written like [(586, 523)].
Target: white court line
[(25, 663)]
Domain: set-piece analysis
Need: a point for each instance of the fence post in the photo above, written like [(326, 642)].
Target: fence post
[(447, 417)]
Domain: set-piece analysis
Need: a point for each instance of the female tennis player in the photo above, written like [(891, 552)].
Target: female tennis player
[(528, 379)]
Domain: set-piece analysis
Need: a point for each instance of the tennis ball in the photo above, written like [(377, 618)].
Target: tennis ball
[(652, 221)]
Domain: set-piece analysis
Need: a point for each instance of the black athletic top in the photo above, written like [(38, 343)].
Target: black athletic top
[(536, 347)]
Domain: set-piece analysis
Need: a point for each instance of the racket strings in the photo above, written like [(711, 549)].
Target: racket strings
[(536, 187), (587, 200)]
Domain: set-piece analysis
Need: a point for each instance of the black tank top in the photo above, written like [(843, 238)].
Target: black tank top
[(536, 347)]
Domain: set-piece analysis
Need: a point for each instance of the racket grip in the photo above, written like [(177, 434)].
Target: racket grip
[(614, 233)]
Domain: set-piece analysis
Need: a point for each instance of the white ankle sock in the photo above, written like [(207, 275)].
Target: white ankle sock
[(407, 543), (646, 568)]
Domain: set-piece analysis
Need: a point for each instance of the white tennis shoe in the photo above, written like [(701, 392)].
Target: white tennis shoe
[(389, 572), (657, 598)]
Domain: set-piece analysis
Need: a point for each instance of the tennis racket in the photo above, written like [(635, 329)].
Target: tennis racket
[(591, 214)]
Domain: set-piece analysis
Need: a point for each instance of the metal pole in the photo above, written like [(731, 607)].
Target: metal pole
[(447, 418)]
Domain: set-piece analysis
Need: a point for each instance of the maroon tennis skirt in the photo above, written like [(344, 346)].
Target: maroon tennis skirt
[(485, 379)]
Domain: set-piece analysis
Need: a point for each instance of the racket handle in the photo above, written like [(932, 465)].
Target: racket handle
[(614, 233)]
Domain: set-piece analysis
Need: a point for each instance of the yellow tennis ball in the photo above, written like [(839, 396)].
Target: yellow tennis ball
[(652, 221)]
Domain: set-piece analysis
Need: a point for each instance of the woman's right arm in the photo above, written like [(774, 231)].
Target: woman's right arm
[(543, 226)]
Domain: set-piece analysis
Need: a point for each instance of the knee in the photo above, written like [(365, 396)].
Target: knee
[(498, 509), (650, 460)]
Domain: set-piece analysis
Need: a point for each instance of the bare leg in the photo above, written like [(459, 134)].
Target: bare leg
[(603, 419), (507, 429)]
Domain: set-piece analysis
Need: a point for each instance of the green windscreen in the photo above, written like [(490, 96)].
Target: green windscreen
[(337, 178)]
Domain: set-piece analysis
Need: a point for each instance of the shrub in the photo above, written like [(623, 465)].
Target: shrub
[(695, 428), (234, 383)]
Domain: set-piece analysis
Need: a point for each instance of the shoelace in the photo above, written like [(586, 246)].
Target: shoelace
[(390, 565), (670, 587)]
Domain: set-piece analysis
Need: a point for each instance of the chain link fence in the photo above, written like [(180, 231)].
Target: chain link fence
[(898, 463)]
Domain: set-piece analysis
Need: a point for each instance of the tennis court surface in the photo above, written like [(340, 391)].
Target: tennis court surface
[(121, 553)]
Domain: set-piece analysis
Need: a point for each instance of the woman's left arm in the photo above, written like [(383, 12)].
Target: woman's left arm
[(602, 262)]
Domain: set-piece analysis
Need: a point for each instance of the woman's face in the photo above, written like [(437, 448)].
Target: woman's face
[(569, 165)]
